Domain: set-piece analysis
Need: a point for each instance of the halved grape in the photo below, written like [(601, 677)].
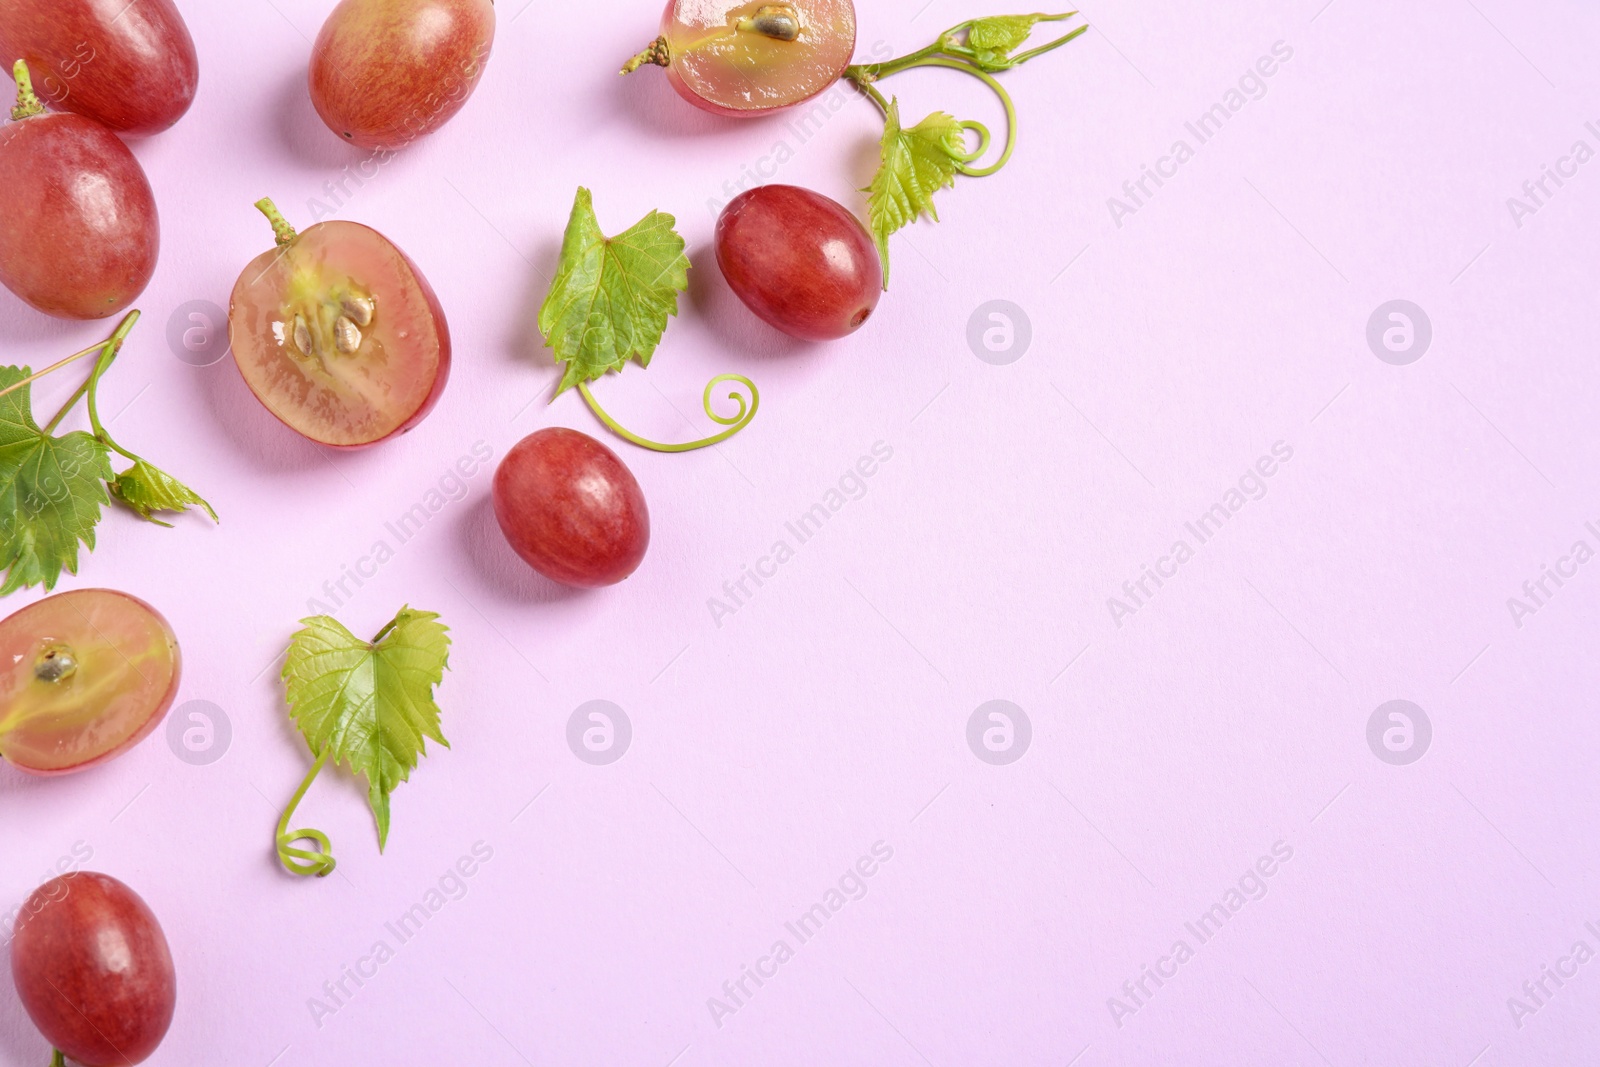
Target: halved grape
[(751, 58), (84, 676), (339, 334), (571, 509), (93, 970), (385, 72), (127, 64), (800, 261)]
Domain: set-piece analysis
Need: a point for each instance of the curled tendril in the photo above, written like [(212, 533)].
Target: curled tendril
[(318, 862), (984, 138), (953, 51), (988, 79), (735, 422)]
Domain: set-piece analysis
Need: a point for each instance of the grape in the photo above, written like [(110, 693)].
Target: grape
[(93, 970), (571, 509), (800, 261), (339, 335), (385, 72), (747, 58), (84, 676), (78, 227), (129, 66)]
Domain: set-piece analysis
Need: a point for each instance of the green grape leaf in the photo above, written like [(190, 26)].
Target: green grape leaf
[(916, 163), (51, 489), (993, 39), (369, 705), (147, 488), (611, 296)]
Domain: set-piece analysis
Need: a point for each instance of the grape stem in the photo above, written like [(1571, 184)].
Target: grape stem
[(57, 1058), (734, 422), (658, 53), (298, 860), (281, 230), (28, 102)]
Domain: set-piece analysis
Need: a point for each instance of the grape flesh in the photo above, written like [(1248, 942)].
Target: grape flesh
[(84, 676), (571, 509), (79, 235), (385, 72), (93, 970), (800, 261), (340, 336), (129, 66), (738, 59)]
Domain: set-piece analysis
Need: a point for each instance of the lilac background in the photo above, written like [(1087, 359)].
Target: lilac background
[(830, 712)]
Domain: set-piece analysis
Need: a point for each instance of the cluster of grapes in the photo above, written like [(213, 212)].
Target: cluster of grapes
[(339, 335)]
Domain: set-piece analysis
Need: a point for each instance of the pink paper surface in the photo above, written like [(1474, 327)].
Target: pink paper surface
[(1178, 745)]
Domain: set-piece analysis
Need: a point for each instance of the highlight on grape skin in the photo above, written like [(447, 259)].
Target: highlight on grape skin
[(131, 67), (571, 509), (752, 58), (802, 262), (79, 234), (86, 675), (386, 72), (93, 970)]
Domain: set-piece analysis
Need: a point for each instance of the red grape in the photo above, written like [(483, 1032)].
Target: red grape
[(800, 261), (93, 970), (571, 509), (127, 65), (339, 334), (78, 227), (84, 676), (749, 57), (385, 72)]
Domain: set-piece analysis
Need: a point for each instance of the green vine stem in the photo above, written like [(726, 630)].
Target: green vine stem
[(1033, 53), (735, 422), (103, 364), (108, 350), (57, 365), (863, 82), (983, 131), (862, 78), (28, 102), (57, 1058), (950, 45), (298, 860), (950, 53)]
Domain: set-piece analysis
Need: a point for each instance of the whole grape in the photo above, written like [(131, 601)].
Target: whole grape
[(79, 235), (571, 509), (800, 261), (93, 969)]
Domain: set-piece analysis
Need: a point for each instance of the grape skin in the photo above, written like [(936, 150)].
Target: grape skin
[(571, 509), (385, 72), (79, 234), (800, 261), (129, 66), (93, 969)]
